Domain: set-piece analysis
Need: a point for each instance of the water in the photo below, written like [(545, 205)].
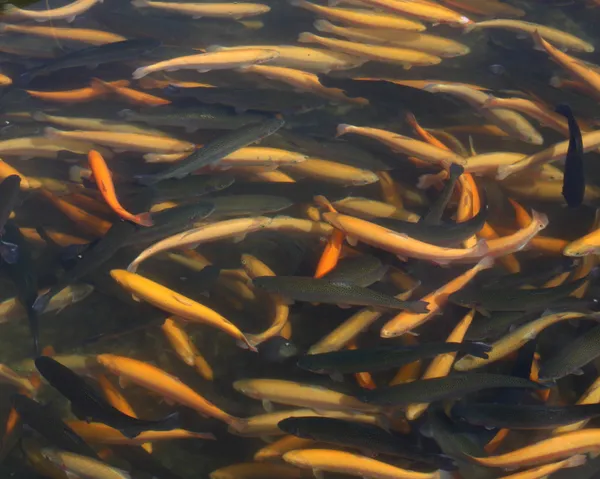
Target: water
[(109, 321)]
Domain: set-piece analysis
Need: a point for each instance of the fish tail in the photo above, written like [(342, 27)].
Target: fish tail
[(41, 302), (490, 102), (9, 9), (245, 343), (479, 250), (540, 218), (144, 219), (238, 424), (170, 422), (39, 116), (139, 73), (342, 129), (322, 25), (140, 3), (51, 133)]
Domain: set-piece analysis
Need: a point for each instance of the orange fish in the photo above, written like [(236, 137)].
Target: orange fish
[(107, 188), (79, 95), (333, 248), (129, 94)]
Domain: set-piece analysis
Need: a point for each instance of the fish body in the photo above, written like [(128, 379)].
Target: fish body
[(383, 357), (82, 466), (67, 12), (436, 389), (572, 357), (323, 291), (513, 299), (574, 180), (523, 416), (216, 149), (435, 213), (88, 405), (362, 271), (95, 55)]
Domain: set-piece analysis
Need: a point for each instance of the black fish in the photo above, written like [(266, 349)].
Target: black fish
[(90, 259), (93, 56), (88, 405), (437, 389), (523, 416), (9, 193), (24, 276), (383, 357), (49, 425), (363, 437), (216, 149), (574, 179), (435, 213)]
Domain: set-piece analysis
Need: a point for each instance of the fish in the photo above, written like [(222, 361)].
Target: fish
[(9, 195), (513, 299), (383, 357), (103, 179), (574, 180), (277, 349), (435, 213), (67, 12), (192, 118), (94, 55), (90, 260), (77, 465), (570, 358), (437, 389), (247, 205), (88, 405), (243, 99), (177, 304), (349, 463), (361, 271), (205, 62), (522, 416), (554, 448), (324, 291), (45, 422), (301, 395), (215, 150), (257, 469), (85, 35), (154, 379), (191, 187), (210, 10), (23, 274), (364, 437), (130, 95)]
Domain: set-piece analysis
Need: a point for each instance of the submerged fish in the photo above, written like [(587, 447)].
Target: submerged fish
[(361, 271), (324, 291), (49, 425), (383, 357), (88, 405), (437, 389), (574, 180), (514, 416), (9, 193)]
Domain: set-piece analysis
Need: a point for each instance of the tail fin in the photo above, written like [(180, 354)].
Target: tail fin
[(39, 116), (306, 37), (144, 219), (342, 129), (51, 133), (479, 250), (322, 25), (140, 3), (477, 349)]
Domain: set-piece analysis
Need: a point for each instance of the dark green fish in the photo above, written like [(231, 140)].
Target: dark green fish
[(23, 274), (513, 416), (90, 259), (438, 389), (572, 357), (93, 56), (215, 150), (9, 194), (49, 425), (443, 234), (498, 323), (365, 437), (243, 99), (89, 405), (171, 221), (362, 271), (191, 187), (485, 300), (248, 205), (541, 274), (192, 118), (435, 213), (322, 291), (383, 357)]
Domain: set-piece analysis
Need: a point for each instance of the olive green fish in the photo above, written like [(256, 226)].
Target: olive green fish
[(572, 357), (438, 389), (362, 271), (514, 416), (322, 291)]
